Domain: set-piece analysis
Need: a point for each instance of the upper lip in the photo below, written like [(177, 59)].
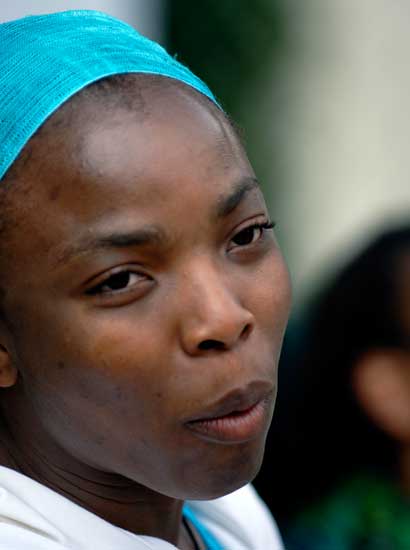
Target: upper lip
[(235, 400)]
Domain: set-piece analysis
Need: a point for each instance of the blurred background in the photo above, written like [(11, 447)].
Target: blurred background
[(321, 90)]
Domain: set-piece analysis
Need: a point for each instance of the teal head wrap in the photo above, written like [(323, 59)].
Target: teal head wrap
[(46, 59)]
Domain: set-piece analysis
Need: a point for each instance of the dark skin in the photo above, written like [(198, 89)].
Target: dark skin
[(142, 289)]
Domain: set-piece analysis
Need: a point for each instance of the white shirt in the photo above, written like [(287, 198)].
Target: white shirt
[(33, 517)]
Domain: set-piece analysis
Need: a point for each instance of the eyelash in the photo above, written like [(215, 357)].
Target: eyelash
[(98, 289), (265, 226)]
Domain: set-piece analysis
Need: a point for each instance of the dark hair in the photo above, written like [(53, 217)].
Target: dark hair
[(320, 434)]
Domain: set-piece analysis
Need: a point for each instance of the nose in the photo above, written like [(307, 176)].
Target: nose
[(212, 317)]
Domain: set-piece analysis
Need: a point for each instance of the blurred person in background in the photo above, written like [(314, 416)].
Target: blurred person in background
[(337, 473)]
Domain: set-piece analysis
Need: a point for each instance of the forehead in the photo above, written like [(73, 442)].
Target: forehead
[(113, 162), (102, 140)]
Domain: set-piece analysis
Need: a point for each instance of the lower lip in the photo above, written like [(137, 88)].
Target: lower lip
[(237, 427)]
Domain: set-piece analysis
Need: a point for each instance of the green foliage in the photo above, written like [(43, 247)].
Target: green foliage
[(227, 42)]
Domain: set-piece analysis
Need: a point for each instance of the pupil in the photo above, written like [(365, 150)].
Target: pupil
[(119, 280), (245, 236)]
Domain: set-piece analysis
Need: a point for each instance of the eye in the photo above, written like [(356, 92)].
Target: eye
[(251, 234), (117, 282)]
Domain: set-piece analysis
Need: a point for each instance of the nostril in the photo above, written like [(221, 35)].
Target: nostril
[(211, 344), (219, 345), (246, 331)]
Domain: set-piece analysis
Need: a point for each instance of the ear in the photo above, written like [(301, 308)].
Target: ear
[(381, 382), (8, 372)]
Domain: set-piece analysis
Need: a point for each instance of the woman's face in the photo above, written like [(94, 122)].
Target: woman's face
[(146, 293)]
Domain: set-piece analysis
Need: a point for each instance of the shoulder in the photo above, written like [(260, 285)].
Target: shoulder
[(34, 517), (240, 521)]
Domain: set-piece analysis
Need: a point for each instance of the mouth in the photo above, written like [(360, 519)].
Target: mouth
[(239, 416)]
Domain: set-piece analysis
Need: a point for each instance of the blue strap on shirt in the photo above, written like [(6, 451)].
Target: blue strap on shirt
[(208, 538)]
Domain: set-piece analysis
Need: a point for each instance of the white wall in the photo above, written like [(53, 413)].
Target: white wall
[(342, 127), (145, 15)]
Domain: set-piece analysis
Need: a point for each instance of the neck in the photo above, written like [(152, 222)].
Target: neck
[(114, 498)]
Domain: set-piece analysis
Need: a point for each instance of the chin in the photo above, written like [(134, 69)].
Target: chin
[(226, 477)]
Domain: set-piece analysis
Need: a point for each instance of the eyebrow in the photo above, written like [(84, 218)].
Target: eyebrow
[(152, 234), (227, 204)]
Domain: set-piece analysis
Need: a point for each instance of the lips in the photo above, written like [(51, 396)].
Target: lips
[(239, 416)]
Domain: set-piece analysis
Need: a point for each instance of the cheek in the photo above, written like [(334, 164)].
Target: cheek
[(120, 375), (90, 382), (271, 296)]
